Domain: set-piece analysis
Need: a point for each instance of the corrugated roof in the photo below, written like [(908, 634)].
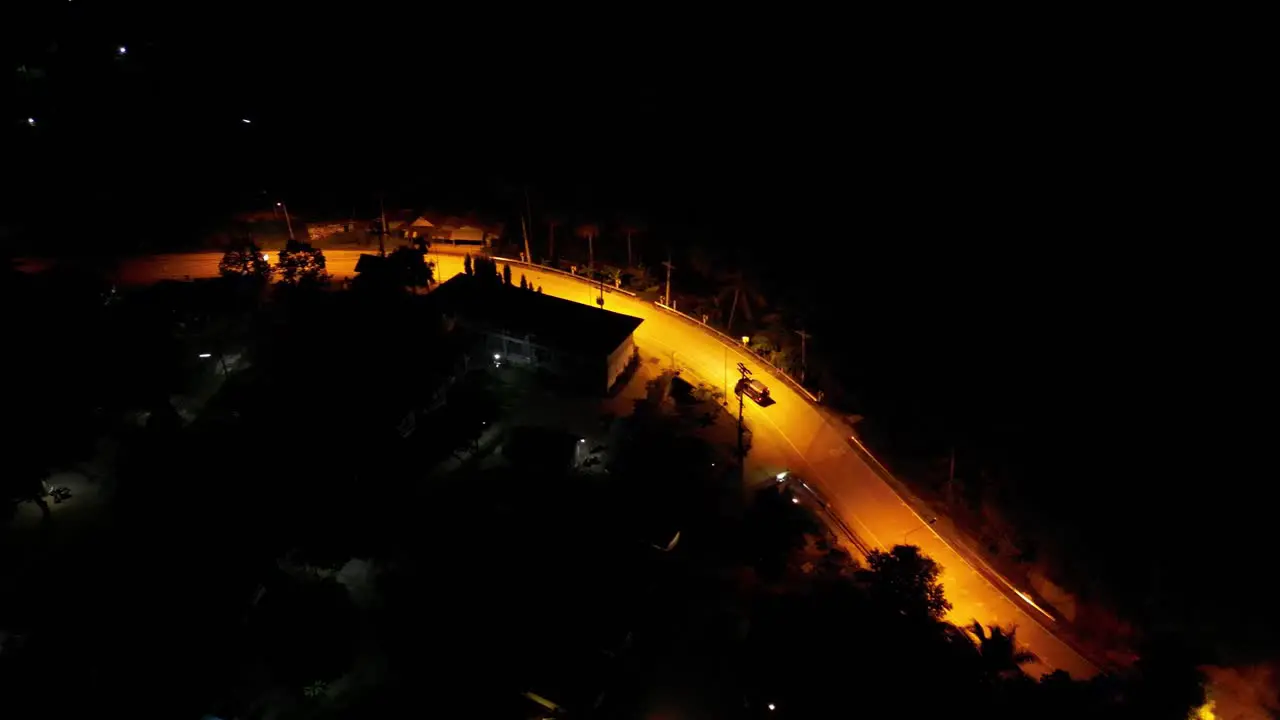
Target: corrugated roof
[(549, 321)]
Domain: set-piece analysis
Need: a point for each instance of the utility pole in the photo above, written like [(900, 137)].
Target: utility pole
[(951, 477), (742, 452), (804, 363), (667, 298), (382, 247), (525, 227)]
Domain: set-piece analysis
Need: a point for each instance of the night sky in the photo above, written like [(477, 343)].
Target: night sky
[(1038, 246)]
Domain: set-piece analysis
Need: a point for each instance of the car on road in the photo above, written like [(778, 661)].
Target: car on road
[(754, 389), (800, 487)]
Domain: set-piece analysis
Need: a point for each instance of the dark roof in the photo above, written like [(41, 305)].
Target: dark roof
[(549, 321), (370, 263)]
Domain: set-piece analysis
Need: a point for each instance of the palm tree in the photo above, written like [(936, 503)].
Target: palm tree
[(553, 222), (743, 290), (1001, 655), (590, 231), (630, 228)]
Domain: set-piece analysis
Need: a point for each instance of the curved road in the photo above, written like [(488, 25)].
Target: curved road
[(789, 434)]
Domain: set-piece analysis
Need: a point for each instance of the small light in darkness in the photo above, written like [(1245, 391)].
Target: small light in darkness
[(31, 122), (122, 50), (246, 121), (205, 355)]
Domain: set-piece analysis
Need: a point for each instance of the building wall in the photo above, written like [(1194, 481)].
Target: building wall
[(618, 360), (595, 374)]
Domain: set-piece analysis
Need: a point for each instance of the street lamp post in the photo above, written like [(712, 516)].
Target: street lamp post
[(287, 222), (666, 299), (804, 363), (926, 524), (742, 453)]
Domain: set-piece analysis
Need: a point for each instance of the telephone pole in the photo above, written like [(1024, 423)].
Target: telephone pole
[(804, 363), (525, 227), (382, 247), (667, 298), (742, 452)]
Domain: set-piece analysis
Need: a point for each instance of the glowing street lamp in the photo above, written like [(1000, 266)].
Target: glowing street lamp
[(205, 355), (122, 50), (287, 222), (246, 121), (746, 339), (31, 121)]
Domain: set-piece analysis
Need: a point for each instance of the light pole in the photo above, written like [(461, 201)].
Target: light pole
[(742, 453), (287, 222), (926, 524), (804, 336), (666, 299)]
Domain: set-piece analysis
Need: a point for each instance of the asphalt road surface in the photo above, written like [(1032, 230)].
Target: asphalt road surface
[(790, 434)]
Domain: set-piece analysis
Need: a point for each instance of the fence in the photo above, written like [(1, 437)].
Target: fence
[(544, 268), (739, 347), (725, 339)]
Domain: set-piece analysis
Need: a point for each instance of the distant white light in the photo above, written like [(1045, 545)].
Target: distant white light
[(279, 204), (782, 476), (495, 356), (31, 122), (205, 355), (772, 706), (266, 257), (582, 440), (246, 121), (122, 50), (795, 500)]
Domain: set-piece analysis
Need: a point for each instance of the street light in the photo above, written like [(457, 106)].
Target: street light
[(927, 523), (122, 50), (206, 355), (287, 222), (772, 706), (246, 121), (746, 339), (782, 476), (31, 121)]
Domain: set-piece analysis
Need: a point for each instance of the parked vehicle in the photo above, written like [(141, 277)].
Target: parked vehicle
[(754, 389)]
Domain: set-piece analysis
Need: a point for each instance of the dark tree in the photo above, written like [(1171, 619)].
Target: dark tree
[(1002, 658), (506, 274), (906, 579), (302, 266), (539, 289), (411, 267), (486, 269), (524, 283), (466, 265), (245, 261)]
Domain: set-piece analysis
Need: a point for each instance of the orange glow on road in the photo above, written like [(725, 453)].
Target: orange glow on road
[(788, 434)]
